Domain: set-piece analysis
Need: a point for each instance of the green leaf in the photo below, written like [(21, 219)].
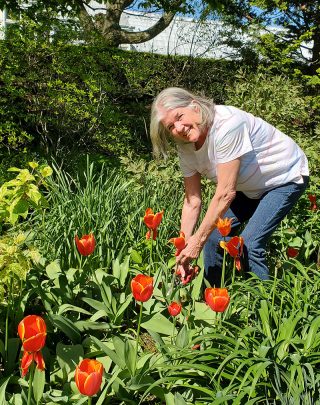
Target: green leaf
[(109, 352), (182, 340), (121, 310), (46, 171), (38, 384), (13, 348), (158, 323), (3, 388), (130, 355), (136, 256), (18, 208), (67, 327), (34, 194), (33, 165), (53, 270), (197, 285), (68, 356)]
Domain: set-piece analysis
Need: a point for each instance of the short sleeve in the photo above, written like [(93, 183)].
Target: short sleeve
[(232, 140), (187, 162)]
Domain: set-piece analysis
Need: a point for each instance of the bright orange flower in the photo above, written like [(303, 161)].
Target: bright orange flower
[(235, 249), (292, 252), (313, 202), (179, 243), (88, 376), (32, 331), (152, 220), (86, 244), (187, 274), (154, 234), (174, 308), (217, 298), (142, 287), (28, 358), (224, 226)]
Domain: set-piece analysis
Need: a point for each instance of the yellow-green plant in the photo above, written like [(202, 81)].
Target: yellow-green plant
[(19, 195)]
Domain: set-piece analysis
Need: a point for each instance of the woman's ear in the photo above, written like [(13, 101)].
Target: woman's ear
[(195, 106)]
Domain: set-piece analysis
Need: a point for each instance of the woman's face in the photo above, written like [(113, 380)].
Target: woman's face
[(183, 123)]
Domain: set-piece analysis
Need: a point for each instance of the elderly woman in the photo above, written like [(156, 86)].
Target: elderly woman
[(260, 174)]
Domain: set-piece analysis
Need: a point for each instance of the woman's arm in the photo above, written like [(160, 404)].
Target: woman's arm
[(192, 204), (227, 174)]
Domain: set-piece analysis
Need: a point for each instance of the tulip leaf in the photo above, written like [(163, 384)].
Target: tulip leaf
[(124, 270), (130, 355), (121, 310), (119, 347), (158, 323), (197, 285), (13, 348), (136, 256), (38, 384), (53, 270), (97, 305), (68, 356), (109, 352), (204, 312), (2, 349), (183, 337), (3, 387), (67, 327), (68, 307)]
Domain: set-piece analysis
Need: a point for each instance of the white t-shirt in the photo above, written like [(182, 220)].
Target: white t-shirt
[(269, 158)]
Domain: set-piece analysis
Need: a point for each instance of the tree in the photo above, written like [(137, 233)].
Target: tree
[(102, 17), (296, 26)]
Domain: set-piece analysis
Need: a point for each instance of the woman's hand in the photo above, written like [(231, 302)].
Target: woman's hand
[(191, 251)]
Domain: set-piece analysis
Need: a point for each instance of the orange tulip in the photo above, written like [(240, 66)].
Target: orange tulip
[(187, 274), (27, 360), (154, 234), (152, 222), (179, 243), (86, 244), (313, 202), (88, 376), (142, 287), (292, 252), (235, 249), (224, 226), (217, 298), (174, 308), (32, 331)]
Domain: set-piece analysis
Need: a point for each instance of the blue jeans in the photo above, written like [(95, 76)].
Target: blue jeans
[(262, 215)]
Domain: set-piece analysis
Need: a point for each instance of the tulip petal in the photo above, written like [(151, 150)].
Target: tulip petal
[(80, 379), (39, 360), (92, 384), (26, 361), (35, 343)]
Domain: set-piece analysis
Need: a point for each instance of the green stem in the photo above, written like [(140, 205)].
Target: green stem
[(223, 268), (151, 249), (89, 400), (173, 330), (7, 319), (233, 271), (32, 368), (137, 341)]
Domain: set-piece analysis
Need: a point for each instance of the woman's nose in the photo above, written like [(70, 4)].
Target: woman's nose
[(178, 126)]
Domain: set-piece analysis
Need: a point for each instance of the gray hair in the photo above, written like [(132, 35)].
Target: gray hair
[(169, 99)]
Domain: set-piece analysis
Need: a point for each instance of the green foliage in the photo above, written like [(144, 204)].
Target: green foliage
[(19, 195)]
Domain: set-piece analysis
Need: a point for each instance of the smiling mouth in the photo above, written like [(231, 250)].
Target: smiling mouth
[(186, 134)]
